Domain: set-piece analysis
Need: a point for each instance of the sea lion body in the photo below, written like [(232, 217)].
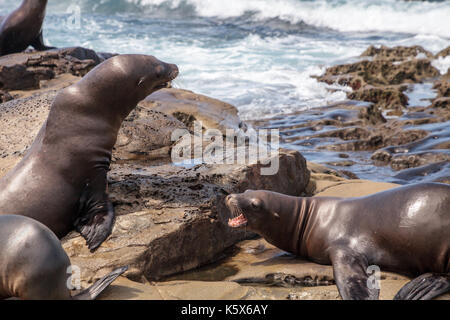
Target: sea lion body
[(23, 27), (61, 181), (35, 266), (404, 230)]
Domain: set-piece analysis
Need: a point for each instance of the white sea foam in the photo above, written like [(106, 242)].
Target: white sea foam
[(442, 64), (414, 17)]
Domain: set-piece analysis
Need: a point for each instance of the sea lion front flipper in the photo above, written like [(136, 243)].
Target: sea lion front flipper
[(349, 270), (425, 287), (96, 215), (39, 45)]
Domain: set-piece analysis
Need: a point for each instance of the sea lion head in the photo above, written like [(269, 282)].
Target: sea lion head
[(119, 83), (145, 74), (252, 209)]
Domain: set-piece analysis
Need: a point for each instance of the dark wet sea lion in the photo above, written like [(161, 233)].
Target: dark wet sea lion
[(61, 181), (23, 28), (34, 266), (404, 230)]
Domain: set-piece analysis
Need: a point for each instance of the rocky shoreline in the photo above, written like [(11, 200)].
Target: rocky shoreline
[(171, 217), (383, 132)]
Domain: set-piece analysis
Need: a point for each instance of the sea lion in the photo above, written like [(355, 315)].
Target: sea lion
[(34, 265), (23, 28), (404, 230), (61, 181)]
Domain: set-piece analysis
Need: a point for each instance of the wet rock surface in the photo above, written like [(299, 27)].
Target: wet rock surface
[(388, 126)]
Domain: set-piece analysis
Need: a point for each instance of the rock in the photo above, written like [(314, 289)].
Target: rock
[(25, 70), (373, 114), (188, 107), (381, 72), (145, 135), (20, 120), (172, 219), (443, 53), (383, 78), (5, 96), (398, 53), (443, 102), (57, 83), (443, 88), (383, 97), (434, 172)]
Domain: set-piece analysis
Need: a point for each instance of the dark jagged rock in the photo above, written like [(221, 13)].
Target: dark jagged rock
[(443, 53), (398, 53), (25, 70)]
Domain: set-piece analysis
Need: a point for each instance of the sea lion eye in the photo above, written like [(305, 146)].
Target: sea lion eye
[(255, 204)]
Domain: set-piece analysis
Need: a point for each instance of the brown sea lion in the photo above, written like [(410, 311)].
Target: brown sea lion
[(61, 181), (34, 265), (404, 230), (23, 28)]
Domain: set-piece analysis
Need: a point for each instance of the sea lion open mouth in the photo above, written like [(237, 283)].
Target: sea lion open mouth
[(238, 220), (168, 83)]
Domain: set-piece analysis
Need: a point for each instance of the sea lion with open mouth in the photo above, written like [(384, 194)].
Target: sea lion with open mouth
[(61, 181), (23, 28), (404, 230)]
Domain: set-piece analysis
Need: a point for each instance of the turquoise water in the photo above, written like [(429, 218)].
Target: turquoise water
[(255, 54)]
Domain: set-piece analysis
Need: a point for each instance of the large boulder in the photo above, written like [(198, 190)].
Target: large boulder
[(172, 219)]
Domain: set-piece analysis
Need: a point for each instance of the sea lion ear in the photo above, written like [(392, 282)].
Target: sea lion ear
[(276, 215), (141, 81)]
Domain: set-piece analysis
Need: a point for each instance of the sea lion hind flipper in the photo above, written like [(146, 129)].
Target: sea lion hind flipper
[(96, 215), (93, 291), (349, 270), (425, 287)]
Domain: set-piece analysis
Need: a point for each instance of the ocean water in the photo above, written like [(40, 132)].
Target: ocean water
[(256, 54)]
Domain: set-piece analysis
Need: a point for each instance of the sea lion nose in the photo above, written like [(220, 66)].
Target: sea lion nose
[(174, 70)]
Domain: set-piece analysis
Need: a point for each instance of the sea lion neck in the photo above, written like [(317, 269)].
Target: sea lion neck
[(294, 217)]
